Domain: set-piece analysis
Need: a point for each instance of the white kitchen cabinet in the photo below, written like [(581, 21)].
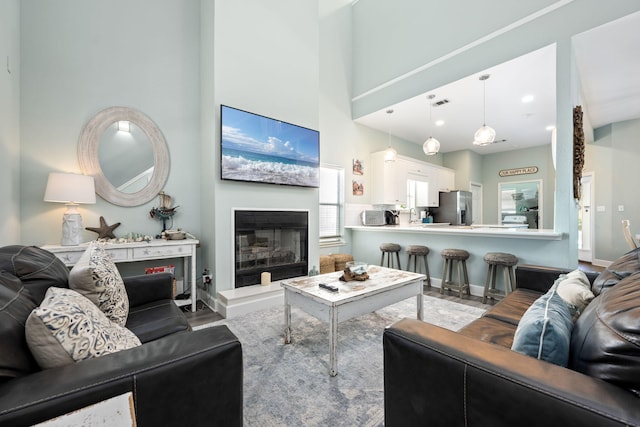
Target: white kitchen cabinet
[(446, 179), (388, 181)]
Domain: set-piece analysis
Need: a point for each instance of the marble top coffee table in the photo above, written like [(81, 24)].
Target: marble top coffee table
[(384, 287)]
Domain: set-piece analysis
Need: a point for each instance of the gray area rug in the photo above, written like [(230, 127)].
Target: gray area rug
[(289, 385)]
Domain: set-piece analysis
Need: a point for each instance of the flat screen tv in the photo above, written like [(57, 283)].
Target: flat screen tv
[(260, 149)]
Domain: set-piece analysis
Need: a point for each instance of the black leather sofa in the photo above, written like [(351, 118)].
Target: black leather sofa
[(178, 377), (436, 377)]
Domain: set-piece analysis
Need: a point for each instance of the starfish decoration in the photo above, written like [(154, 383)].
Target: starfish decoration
[(104, 231)]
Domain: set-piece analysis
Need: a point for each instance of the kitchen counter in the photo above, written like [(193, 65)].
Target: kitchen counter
[(531, 246), (481, 230)]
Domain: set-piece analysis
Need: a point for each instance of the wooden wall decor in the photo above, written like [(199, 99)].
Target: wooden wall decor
[(578, 150)]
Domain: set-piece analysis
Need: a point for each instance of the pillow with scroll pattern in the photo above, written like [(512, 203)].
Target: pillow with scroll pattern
[(96, 276), (68, 328)]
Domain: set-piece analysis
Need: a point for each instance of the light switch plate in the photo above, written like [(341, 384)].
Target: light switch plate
[(601, 208), (620, 208)]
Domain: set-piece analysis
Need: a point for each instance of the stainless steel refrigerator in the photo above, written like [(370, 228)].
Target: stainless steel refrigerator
[(455, 208)]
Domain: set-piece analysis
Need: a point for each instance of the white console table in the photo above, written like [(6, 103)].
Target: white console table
[(141, 251)]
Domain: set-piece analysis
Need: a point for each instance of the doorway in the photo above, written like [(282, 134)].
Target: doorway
[(476, 202), (585, 218)]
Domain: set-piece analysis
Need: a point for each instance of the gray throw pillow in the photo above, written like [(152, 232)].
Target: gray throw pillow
[(67, 328), (96, 276), (544, 331)]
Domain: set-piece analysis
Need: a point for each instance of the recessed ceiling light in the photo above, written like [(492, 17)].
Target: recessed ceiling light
[(439, 122), (527, 98), (550, 127)]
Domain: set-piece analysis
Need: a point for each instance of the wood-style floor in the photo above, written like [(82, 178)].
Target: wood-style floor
[(204, 314)]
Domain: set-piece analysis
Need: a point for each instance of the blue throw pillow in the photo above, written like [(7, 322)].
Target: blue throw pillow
[(544, 332)]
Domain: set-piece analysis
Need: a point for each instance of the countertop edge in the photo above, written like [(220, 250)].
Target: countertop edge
[(510, 233)]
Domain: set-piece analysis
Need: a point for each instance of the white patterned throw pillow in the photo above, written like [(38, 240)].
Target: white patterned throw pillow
[(67, 328), (96, 276)]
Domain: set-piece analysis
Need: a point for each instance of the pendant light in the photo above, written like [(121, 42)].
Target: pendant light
[(431, 146), (390, 154), (486, 134)]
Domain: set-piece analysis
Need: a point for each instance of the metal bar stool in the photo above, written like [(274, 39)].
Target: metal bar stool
[(416, 251), (389, 249), (495, 260), (451, 256)]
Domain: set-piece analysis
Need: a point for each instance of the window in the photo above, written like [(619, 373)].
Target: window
[(331, 203)]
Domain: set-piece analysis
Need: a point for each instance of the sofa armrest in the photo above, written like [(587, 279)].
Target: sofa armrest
[(433, 376), (146, 288), (191, 378), (540, 278)]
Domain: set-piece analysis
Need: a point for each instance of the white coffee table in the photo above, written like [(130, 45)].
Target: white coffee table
[(384, 287)]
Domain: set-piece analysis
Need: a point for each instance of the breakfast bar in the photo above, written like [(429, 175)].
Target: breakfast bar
[(531, 246)]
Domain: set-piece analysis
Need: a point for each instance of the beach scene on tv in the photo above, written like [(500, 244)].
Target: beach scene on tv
[(260, 149)]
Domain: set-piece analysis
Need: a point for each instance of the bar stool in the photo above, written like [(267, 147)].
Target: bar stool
[(495, 260), (451, 256), (416, 251), (389, 249)]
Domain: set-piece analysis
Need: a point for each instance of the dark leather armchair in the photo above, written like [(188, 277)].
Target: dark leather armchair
[(178, 377)]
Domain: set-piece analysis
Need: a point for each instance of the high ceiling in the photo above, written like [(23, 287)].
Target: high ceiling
[(609, 66)]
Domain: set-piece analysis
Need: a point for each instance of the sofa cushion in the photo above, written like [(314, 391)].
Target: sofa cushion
[(490, 330), (575, 289), (622, 267), (156, 319), (96, 276), (67, 328), (15, 305), (606, 339), (512, 308), (544, 332), (35, 267)]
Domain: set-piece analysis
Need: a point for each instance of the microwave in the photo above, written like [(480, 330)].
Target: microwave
[(373, 217)]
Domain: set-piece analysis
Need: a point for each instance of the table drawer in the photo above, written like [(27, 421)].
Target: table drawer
[(69, 258), (165, 252), (117, 255)]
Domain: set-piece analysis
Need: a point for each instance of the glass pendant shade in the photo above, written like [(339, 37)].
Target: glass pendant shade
[(484, 136), (431, 146), (390, 155)]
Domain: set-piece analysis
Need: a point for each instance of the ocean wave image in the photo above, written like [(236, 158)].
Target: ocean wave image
[(270, 171), (260, 149)]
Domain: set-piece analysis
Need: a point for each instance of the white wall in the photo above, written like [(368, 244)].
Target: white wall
[(10, 121), (615, 149), (265, 62), (81, 57)]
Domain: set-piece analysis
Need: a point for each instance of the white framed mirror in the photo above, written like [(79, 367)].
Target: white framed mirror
[(126, 153), (520, 203)]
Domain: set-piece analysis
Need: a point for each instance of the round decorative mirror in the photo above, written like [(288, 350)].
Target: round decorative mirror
[(125, 152)]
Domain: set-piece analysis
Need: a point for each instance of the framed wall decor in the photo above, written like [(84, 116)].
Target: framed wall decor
[(357, 167), (358, 188)]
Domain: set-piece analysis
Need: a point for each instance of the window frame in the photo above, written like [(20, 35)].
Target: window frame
[(339, 238)]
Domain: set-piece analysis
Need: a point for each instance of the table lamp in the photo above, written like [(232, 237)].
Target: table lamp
[(71, 189)]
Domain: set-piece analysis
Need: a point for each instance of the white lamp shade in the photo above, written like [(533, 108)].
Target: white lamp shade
[(70, 188), (431, 146), (484, 136), (390, 155)]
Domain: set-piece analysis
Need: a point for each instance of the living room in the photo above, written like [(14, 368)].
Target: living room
[(178, 61)]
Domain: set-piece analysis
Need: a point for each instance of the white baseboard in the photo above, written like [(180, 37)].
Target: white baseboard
[(601, 262)]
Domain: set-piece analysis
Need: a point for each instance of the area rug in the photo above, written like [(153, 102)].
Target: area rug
[(289, 385)]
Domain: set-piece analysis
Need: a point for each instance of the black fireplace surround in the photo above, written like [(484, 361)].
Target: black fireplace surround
[(270, 241)]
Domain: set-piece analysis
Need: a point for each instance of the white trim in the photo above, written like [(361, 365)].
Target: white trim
[(466, 47)]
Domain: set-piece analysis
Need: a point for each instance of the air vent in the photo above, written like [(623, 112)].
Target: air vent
[(440, 103)]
